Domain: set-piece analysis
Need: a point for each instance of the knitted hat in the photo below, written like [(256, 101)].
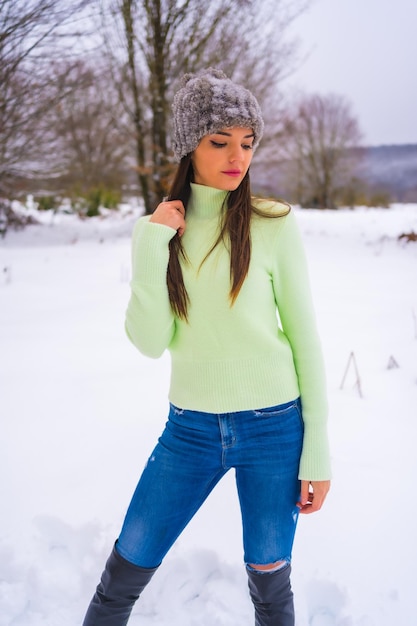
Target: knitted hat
[(207, 102)]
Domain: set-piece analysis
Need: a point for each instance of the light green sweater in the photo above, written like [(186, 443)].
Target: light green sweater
[(262, 351)]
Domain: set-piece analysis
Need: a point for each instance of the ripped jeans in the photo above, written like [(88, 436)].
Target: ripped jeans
[(194, 452)]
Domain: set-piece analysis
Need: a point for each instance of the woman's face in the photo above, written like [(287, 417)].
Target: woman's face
[(221, 160)]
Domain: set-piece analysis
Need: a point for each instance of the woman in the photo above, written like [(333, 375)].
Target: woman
[(219, 279)]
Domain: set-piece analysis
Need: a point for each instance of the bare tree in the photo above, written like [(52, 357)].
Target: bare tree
[(87, 147), (151, 43), (29, 34), (320, 134)]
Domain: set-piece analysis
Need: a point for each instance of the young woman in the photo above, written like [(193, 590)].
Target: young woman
[(220, 280)]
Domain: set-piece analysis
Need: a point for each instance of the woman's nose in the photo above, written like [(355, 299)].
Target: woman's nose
[(236, 154)]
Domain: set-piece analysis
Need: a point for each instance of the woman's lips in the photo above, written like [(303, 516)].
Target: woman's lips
[(234, 173)]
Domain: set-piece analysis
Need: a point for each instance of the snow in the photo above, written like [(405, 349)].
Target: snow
[(81, 409)]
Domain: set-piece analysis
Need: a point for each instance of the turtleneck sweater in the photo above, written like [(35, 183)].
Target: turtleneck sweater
[(263, 350)]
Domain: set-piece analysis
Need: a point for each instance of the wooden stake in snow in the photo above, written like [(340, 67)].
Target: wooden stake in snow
[(392, 363), (7, 274), (415, 322), (352, 363)]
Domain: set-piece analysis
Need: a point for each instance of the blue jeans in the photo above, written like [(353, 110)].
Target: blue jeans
[(193, 453)]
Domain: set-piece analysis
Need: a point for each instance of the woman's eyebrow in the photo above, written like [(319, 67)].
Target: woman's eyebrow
[(223, 132)]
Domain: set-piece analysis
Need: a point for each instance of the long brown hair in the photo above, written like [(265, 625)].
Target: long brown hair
[(235, 230)]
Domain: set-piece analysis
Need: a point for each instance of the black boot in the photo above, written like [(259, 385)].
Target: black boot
[(272, 597), (120, 586)]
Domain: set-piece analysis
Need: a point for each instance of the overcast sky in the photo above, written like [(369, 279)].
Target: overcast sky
[(367, 50)]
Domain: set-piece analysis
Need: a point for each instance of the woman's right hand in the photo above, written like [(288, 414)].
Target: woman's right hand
[(171, 214)]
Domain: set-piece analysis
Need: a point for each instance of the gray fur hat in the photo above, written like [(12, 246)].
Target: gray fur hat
[(207, 102)]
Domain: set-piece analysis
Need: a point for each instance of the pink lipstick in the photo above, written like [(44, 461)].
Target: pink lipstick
[(234, 173)]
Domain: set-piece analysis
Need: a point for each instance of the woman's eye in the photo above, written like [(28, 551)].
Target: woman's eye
[(247, 146), (216, 144)]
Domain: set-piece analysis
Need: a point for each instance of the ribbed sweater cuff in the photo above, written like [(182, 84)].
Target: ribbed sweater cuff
[(315, 457), (151, 252)]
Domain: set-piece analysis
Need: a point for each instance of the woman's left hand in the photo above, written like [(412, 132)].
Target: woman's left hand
[(313, 494)]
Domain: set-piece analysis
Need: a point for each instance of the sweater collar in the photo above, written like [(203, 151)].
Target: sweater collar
[(205, 201)]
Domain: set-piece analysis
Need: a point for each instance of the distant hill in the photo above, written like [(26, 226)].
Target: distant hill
[(393, 169)]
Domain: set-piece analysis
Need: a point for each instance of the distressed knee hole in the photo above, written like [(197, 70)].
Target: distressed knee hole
[(270, 567)]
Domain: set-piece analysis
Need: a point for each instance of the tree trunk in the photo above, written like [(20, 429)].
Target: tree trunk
[(138, 121)]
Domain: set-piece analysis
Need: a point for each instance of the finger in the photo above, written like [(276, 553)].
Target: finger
[(170, 214), (178, 213), (180, 209), (315, 503), (306, 510), (305, 492), (311, 506), (176, 205), (180, 222)]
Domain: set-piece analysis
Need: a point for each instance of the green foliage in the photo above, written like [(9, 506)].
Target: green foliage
[(89, 203), (358, 193), (379, 199), (47, 203)]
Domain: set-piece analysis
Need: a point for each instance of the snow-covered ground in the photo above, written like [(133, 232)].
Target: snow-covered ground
[(81, 409)]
